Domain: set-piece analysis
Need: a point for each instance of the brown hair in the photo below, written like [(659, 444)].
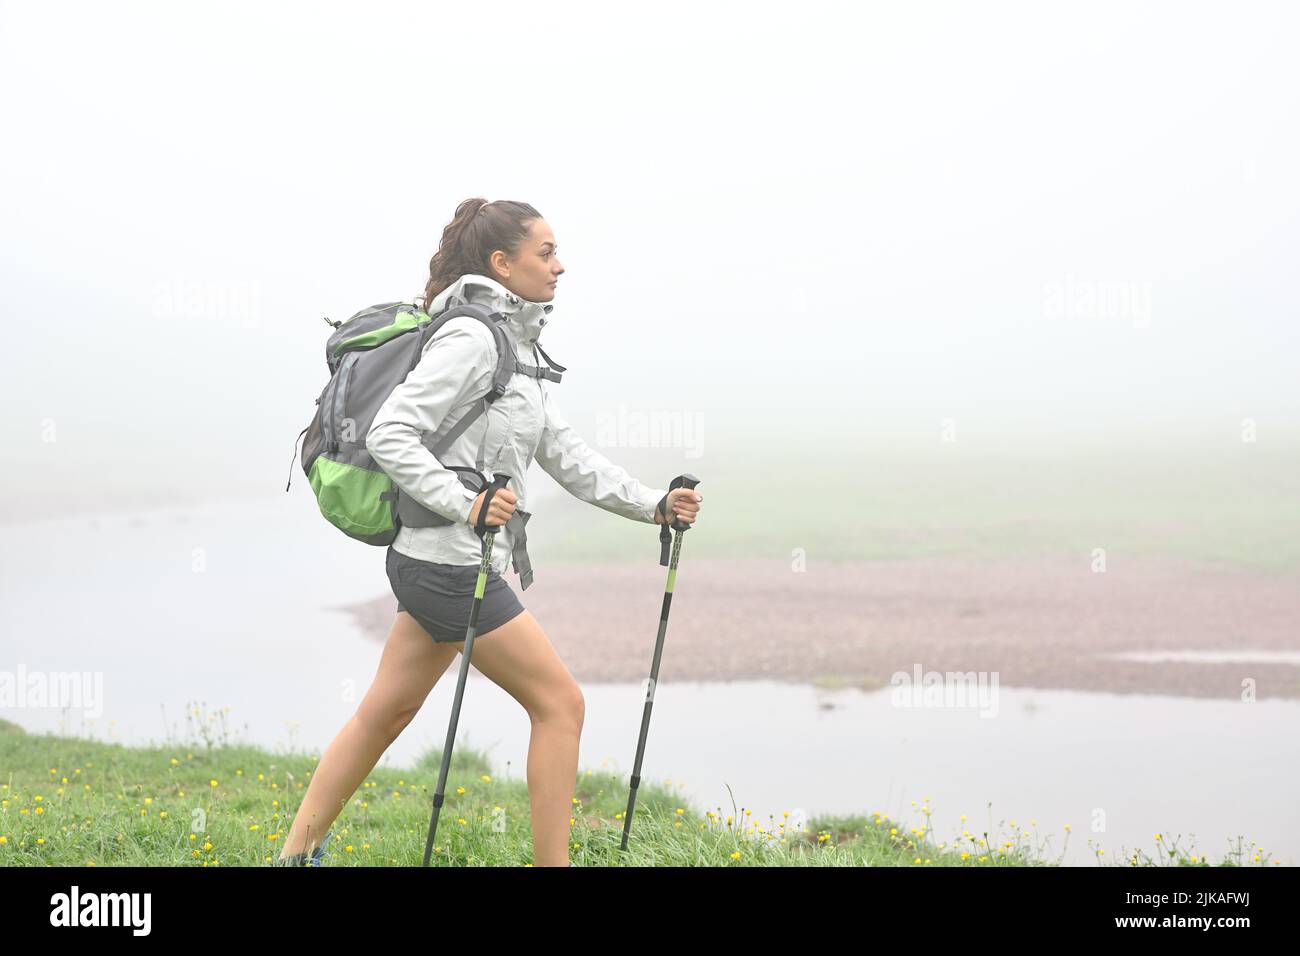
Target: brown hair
[(478, 229)]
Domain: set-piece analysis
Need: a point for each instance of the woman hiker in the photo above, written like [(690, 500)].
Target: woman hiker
[(502, 255)]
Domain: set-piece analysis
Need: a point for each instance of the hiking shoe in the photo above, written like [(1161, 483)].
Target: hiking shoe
[(319, 852), (300, 859)]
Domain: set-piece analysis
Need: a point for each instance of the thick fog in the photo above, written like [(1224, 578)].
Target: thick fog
[(793, 226)]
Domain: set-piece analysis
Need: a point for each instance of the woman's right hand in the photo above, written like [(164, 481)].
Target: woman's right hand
[(500, 509)]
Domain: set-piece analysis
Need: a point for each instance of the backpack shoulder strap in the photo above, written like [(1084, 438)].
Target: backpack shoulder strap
[(495, 323), (507, 364)]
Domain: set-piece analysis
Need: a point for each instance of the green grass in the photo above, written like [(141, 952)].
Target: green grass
[(67, 801)]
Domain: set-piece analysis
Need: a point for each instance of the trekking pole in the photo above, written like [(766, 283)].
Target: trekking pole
[(681, 481), (486, 533)]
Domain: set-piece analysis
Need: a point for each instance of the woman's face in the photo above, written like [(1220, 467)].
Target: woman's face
[(533, 273)]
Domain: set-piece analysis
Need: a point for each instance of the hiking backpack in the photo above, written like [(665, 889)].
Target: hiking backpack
[(368, 356)]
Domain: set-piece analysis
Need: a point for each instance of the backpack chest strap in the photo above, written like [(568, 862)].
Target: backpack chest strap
[(537, 371), (551, 371)]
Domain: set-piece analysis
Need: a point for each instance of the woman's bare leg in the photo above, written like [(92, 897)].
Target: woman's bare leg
[(410, 665), (519, 657)]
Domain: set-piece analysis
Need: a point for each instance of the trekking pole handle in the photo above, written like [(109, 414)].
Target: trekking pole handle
[(499, 480), (685, 480)]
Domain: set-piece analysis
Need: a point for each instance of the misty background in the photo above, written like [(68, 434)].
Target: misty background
[(895, 281), (802, 233)]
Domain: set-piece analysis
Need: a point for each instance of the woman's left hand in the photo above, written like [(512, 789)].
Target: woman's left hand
[(683, 504)]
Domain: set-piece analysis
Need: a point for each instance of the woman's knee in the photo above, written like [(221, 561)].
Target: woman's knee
[(387, 717), (579, 705), (388, 710), (411, 665), (563, 704)]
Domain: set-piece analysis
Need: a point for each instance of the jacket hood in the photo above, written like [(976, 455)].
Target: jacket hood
[(524, 317)]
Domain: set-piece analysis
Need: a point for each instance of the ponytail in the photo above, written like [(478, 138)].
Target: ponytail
[(478, 229)]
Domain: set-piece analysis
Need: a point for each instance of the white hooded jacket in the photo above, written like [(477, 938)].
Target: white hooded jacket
[(454, 372)]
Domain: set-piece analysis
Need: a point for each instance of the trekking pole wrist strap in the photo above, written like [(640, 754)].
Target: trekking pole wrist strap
[(481, 527), (685, 480), (665, 536)]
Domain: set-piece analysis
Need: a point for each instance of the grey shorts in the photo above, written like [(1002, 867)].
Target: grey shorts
[(441, 596)]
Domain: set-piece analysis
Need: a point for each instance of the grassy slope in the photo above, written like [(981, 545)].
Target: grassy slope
[(75, 802)]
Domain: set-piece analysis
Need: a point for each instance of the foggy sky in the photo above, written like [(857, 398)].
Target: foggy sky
[(859, 220)]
